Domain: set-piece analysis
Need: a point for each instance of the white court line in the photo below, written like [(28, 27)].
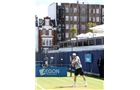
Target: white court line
[(40, 86)]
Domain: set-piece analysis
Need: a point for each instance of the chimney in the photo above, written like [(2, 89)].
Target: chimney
[(77, 2)]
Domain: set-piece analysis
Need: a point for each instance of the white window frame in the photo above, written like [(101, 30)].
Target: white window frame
[(67, 26), (67, 35), (47, 39), (50, 32), (83, 10), (97, 19), (75, 18), (97, 11), (83, 19), (66, 9), (75, 10), (43, 42), (82, 27), (43, 32), (47, 22), (50, 44), (67, 18), (75, 25)]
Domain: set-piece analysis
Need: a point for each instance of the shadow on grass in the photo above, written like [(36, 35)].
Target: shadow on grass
[(94, 76), (68, 86)]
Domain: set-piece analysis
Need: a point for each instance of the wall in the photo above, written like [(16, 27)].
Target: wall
[(52, 11), (36, 39)]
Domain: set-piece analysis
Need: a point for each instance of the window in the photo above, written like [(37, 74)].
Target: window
[(59, 36), (75, 18), (102, 19), (89, 18), (59, 29), (50, 42), (59, 25), (67, 26), (93, 19), (75, 10), (93, 10), (97, 19), (97, 11), (83, 10), (46, 42), (67, 18), (36, 23), (70, 18), (50, 32), (47, 22), (90, 10), (67, 9), (43, 32), (67, 35), (43, 42), (75, 25), (102, 11), (83, 27), (82, 19), (40, 21)]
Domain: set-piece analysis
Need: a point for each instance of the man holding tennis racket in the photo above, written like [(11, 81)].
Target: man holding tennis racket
[(78, 68)]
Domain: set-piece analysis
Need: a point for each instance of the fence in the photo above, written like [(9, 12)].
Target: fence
[(62, 58)]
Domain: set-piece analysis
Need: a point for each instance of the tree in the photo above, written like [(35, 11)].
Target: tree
[(73, 31), (90, 24)]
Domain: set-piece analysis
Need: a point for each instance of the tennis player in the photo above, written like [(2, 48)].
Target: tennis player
[(78, 68)]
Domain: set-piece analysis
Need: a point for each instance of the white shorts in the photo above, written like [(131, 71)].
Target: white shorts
[(46, 62)]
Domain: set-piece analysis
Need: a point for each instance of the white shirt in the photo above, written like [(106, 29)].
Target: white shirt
[(78, 63)]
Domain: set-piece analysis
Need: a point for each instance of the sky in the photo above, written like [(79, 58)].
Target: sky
[(41, 6)]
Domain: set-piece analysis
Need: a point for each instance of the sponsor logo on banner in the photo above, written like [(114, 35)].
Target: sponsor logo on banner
[(88, 58), (49, 71)]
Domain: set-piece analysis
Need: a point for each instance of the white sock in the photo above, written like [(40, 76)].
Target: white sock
[(85, 82)]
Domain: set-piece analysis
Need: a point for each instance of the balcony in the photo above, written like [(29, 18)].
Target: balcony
[(61, 8), (59, 38), (84, 42), (62, 17), (59, 30)]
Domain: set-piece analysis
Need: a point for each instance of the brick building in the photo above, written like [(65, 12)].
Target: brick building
[(46, 35), (77, 15)]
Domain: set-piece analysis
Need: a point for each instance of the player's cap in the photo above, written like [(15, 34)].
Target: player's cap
[(74, 54)]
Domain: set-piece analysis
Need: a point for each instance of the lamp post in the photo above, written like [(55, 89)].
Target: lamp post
[(70, 65)]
